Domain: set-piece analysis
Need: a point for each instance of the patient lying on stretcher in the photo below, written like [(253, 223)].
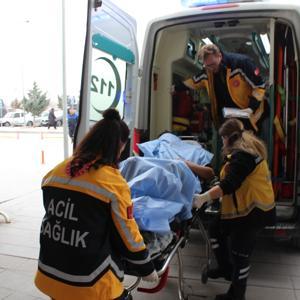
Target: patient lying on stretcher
[(163, 186)]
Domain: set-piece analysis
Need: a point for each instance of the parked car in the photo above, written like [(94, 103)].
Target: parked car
[(43, 119), (17, 118), (38, 119)]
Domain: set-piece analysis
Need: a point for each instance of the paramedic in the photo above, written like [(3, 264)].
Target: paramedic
[(247, 205), (231, 80), (72, 118), (88, 228)]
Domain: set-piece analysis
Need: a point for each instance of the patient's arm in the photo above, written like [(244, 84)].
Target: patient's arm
[(202, 171)]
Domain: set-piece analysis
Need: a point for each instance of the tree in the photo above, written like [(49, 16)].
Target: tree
[(16, 104), (36, 101)]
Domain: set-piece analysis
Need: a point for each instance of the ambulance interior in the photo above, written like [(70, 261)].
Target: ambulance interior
[(271, 44)]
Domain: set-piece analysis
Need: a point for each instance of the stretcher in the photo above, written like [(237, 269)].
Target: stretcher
[(175, 248), (181, 229)]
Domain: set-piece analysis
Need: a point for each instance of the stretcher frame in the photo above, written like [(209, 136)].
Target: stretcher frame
[(195, 222)]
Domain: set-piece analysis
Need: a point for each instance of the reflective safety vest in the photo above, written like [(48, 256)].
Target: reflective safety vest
[(86, 233), (243, 81), (180, 124), (256, 191)]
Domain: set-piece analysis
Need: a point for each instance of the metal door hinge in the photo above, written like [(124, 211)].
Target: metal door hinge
[(97, 4), (140, 72)]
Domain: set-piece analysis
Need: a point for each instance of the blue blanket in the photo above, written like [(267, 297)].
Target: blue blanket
[(161, 189), (169, 146)]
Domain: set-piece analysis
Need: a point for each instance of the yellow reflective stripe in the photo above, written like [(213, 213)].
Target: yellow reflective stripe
[(253, 118), (195, 83), (100, 192), (77, 186), (199, 78), (279, 128), (133, 244), (251, 83), (181, 121), (108, 262), (258, 94), (253, 122), (191, 84)]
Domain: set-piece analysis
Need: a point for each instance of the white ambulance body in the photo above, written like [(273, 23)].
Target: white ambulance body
[(268, 32)]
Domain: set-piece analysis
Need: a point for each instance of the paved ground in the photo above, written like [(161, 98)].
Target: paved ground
[(275, 273)]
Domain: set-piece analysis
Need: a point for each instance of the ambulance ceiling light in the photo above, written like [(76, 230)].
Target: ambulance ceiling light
[(266, 42), (207, 41), (196, 3)]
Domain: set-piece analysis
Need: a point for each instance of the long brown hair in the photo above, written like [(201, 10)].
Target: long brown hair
[(101, 145), (240, 139)]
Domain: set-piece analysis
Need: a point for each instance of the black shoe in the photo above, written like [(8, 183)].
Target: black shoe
[(218, 273), (228, 297), (223, 297), (232, 295)]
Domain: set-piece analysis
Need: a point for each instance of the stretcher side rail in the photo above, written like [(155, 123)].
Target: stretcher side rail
[(183, 237), (163, 273)]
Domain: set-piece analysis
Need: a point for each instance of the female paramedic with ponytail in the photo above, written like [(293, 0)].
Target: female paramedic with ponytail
[(247, 205), (88, 228)]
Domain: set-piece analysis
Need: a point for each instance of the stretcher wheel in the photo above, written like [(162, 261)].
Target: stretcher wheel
[(204, 275)]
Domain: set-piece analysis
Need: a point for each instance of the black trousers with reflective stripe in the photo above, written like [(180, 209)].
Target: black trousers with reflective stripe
[(233, 246)]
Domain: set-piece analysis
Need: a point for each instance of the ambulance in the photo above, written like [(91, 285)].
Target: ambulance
[(150, 95)]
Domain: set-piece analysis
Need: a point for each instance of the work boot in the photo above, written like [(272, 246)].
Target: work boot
[(219, 273), (228, 297), (234, 293)]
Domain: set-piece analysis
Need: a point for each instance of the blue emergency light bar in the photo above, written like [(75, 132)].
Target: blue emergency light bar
[(197, 3)]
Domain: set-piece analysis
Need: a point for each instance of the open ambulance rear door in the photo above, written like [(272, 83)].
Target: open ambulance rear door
[(110, 66)]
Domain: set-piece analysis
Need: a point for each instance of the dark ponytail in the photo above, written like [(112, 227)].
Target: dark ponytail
[(233, 129), (240, 139), (235, 136), (101, 145)]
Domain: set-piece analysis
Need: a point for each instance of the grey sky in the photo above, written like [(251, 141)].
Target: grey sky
[(30, 33)]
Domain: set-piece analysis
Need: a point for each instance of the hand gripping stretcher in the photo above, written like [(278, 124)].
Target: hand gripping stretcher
[(182, 231)]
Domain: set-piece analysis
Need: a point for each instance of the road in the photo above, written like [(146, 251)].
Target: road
[(275, 274), (27, 154)]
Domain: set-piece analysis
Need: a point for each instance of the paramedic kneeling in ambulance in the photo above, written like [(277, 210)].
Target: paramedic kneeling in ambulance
[(247, 205), (88, 227), (231, 80)]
